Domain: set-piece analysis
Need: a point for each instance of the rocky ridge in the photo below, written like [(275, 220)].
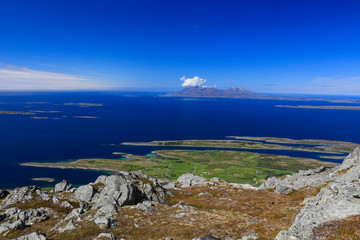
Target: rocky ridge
[(338, 198)]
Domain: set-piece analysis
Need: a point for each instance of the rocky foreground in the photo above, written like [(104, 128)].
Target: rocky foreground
[(131, 205)]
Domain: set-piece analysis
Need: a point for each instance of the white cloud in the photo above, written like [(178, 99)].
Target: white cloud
[(22, 78), (192, 82)]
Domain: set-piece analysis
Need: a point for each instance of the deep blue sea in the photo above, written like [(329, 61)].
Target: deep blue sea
[(125, 117)]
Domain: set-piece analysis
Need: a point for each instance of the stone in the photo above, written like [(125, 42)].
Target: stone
[(252, 236), (311, 178), (103, 222), (11, 211), (170, 185), (63, 186), (190, 179), (207, 237), (66, 204), (19, 194), (180, 215), (70, 226), (105, 235), (107, 210), (146, 206), (205, 194), (84, 206), (33, 236), (180, 205), (118, 189), (85, 193), (55, 200), (32, 216)]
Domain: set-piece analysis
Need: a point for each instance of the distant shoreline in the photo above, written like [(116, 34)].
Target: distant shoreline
[(321, 107)]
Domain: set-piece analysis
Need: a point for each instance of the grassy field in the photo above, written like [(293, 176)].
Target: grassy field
[(232, 166)]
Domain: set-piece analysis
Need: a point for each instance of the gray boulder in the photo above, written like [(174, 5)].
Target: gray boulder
[(190, 179), (146, 206), (128, 189), (33, 236), (32, 216), (107, 211), (69, 226), (117, 189), (85, 193), (304, 178), (19, 194), (63, 186), (104, 222), (105, 235), (252, 236)]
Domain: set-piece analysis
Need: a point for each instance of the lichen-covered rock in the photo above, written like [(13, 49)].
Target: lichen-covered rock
[(69, 226), (128, 189), (311, 177), (339, 199), (63, 186), (117, 189), (190, 179), (33, 236), (105, 236), (32, 216), (19, 194), (85, 193), (146, 206)]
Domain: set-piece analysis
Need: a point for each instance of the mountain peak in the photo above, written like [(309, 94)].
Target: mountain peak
[(233, 92)]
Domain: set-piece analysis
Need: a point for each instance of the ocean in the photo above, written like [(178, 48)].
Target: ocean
[(71, 125)]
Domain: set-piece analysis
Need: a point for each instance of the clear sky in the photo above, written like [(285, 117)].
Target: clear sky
[(291, 46)]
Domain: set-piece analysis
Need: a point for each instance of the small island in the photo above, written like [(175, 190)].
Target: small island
[(15, 113), (84, 104), (44, 179)]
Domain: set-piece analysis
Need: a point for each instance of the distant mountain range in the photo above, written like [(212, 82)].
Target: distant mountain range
[(233, 92)]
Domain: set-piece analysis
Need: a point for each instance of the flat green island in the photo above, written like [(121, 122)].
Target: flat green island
[(309, 145), (232, 166)]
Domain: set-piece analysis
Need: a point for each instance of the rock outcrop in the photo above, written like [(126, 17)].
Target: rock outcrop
[(19, 194), (103, 197), (33, 236), (340, 198), (63, 186)]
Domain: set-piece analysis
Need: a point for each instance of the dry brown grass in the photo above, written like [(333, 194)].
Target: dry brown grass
[(348, 228)]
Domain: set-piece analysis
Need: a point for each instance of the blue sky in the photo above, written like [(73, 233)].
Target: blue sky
[(298, 46)]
